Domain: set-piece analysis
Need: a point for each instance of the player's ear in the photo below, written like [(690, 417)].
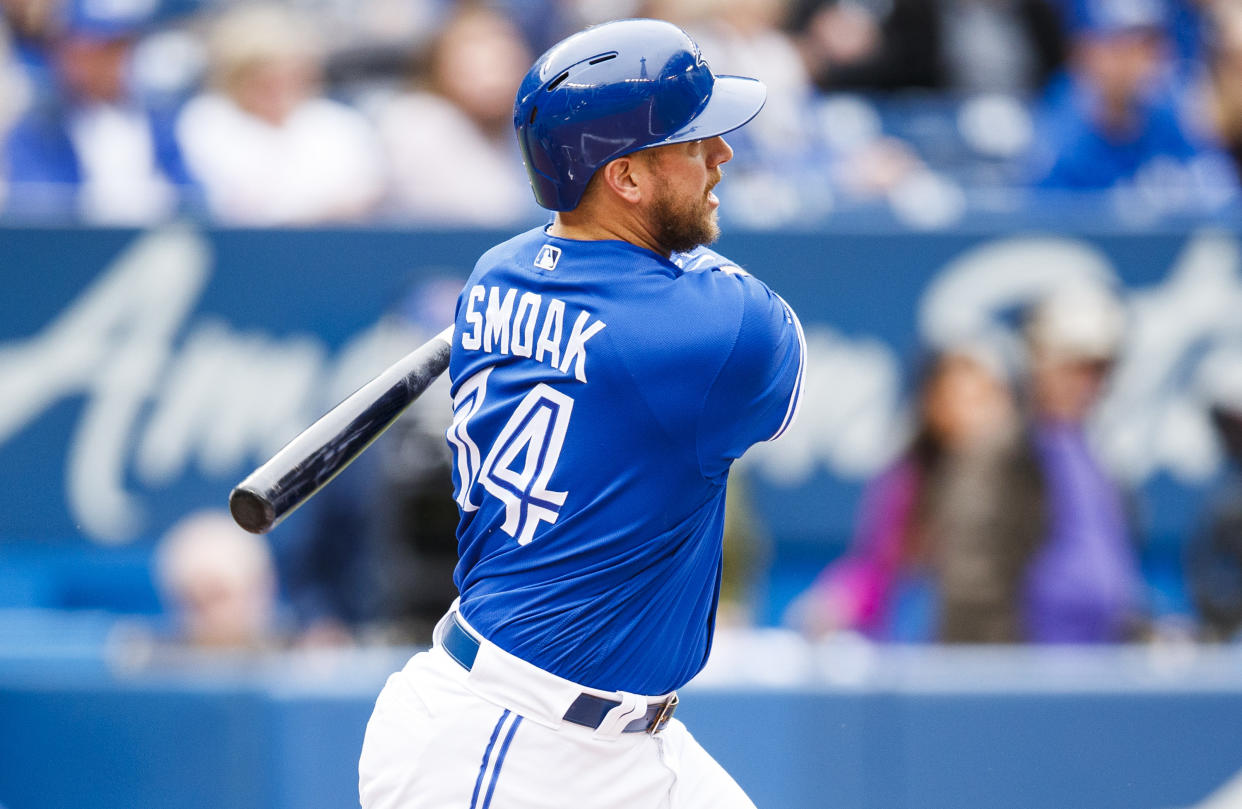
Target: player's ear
[(623, 178)]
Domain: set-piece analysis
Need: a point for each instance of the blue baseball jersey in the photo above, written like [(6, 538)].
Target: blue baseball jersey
[(600, 394)]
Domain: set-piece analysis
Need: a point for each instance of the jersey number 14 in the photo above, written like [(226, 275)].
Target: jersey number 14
[(518, 466)]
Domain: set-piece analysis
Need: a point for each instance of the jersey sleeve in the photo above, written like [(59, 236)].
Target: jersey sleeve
[(755, 395)]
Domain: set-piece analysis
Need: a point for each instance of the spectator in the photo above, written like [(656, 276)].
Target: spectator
[(13, 90), (973, 45), (545, 22), (865, 46), (32, 26), (1084, 583), (1225, 81), (780, 176), (1214, 563), (1185, 23), (745, 38), (945, 534), (219, 583), (91, 148), (1009, 46), (450, 145), (268, 148), (1115, 126), (378, 552), (379, 547), (984, 506)]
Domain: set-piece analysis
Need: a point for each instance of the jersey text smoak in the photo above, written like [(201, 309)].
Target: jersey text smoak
[(530, 328)]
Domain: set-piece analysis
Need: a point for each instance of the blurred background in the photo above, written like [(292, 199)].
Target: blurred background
[(996, 562)]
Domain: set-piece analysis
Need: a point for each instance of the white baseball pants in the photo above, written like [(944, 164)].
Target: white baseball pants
[(442, 737)]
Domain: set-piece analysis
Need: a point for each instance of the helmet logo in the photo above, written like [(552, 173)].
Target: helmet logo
[(547, 258)]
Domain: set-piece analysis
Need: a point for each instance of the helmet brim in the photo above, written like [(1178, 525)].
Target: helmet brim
[(734, 102)]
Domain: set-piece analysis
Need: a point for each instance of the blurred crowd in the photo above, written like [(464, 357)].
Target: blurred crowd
[(398, 111), (999, 523)]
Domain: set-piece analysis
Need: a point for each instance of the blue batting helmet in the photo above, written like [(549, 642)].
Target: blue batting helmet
[(614, 89)]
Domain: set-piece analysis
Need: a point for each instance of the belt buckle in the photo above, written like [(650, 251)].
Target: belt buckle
[(660, 720)]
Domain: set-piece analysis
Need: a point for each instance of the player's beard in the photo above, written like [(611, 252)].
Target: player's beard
[(680, 226)]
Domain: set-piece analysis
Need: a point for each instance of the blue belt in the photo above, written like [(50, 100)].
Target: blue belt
[(587, 710)]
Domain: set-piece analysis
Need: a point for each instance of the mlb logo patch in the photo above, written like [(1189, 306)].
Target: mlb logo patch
[(547, 258)]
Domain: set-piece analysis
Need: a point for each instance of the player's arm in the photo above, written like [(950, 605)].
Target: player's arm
[(756, 394)]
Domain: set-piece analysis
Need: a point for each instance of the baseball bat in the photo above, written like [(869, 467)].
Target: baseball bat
[(317, 454)]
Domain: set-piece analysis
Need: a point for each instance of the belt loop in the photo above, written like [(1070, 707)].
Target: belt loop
[(459, 644), (619, 718)]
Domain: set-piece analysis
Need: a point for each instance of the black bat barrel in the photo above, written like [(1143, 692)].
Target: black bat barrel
[(315, 456)]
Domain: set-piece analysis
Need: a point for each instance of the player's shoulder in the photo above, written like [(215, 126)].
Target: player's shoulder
[(706, 273), (739, 300), (717, 305), (705, 260)]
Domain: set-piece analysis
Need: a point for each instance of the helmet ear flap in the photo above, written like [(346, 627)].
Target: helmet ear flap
[(611, 90)]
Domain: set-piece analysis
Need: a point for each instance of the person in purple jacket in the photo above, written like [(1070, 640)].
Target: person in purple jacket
[(1083, 584)]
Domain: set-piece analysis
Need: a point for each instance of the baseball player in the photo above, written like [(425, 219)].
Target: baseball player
[(606, 371)]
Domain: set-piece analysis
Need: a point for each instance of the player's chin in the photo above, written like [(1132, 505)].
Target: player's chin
[(712, 217)]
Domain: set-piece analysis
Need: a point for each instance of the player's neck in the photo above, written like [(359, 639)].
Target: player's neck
[(589, 227)]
